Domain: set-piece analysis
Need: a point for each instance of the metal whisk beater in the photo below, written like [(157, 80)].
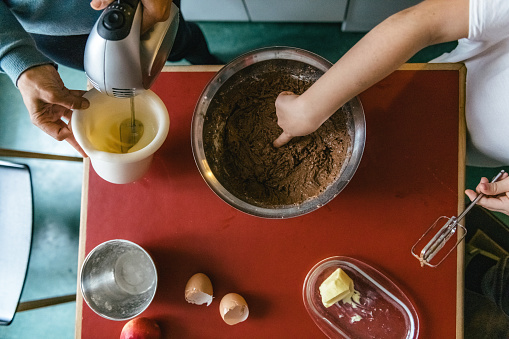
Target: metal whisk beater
[(441, 238)]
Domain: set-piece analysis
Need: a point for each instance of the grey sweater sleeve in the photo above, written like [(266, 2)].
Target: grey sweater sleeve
[(17, 48)]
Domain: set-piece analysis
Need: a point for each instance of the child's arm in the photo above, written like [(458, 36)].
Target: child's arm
[(374, 57)]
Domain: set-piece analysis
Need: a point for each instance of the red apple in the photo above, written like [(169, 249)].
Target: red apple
[(141, 328)]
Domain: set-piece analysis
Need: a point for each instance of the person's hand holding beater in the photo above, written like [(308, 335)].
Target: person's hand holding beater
[(496, 194)]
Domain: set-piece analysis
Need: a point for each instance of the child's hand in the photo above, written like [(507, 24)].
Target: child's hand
[(293, 117)]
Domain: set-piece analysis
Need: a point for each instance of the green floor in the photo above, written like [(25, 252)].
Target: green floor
[(57, 185)]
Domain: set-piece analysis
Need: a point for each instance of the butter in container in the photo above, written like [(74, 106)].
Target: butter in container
[(372, 307), (338, 286)]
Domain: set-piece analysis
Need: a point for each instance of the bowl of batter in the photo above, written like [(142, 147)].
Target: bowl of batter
[(235, 123)]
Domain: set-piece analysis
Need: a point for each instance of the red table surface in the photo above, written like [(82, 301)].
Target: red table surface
[(408, 177)]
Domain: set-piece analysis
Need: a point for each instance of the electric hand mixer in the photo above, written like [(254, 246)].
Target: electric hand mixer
[(122, 62)]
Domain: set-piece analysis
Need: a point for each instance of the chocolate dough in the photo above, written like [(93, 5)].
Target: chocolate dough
[(241, 124)]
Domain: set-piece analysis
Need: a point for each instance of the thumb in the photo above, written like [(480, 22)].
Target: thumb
[(99, 4), (70, 100), (283, 139), (495, 188)]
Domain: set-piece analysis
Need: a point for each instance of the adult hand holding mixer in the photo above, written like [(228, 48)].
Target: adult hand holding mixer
[(122, 63)]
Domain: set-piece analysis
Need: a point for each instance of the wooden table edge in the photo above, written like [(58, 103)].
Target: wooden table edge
[(460, 251), (460, 278), (192, 68), (82, 244)]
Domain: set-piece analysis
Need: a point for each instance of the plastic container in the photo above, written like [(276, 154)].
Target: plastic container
[(93, 128), (382, 310)]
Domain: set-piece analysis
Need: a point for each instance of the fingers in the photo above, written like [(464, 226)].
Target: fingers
[(62, 131), (72, 141), (42, 85), (57, 129), (498, 204), (77, 92), (49, 120), (68, 99), (495, 188), (77, 95), (491, 203), (471, 194), (282, 140), (496, 195), (285, 93), (100, 4), (48, 102), (285, 137), (281, 98), (154, 11)]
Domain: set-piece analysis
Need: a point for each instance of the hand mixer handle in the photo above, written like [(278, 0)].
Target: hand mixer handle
[(117, 19), (112, 53)]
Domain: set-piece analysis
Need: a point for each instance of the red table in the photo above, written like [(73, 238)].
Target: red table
[(412, 171)]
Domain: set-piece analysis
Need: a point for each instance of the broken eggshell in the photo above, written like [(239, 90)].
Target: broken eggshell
[(199, 290), (233, 309)]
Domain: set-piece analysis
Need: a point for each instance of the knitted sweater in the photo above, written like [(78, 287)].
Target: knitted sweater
[(18, 18)]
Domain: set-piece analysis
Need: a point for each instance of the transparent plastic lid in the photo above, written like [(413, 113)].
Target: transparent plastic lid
[(378, 309)]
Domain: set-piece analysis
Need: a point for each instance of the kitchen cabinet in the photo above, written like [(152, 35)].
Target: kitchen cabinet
[(265, 10), (354, 15), (297, 10), (216, 10), (363, 15)]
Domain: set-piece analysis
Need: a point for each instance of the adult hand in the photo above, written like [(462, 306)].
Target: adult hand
[(48, 102), (294, 118), (496, 194), (153, 11)]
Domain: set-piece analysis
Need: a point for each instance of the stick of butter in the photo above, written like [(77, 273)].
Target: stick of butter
[(336, 287)]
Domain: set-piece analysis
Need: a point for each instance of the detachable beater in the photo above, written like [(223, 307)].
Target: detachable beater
[(440, 246)]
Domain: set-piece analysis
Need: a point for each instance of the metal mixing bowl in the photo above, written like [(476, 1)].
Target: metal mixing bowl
[(356, 128)]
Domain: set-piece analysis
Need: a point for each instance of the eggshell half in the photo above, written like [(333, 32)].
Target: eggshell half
[(233, 309), (199, 290)]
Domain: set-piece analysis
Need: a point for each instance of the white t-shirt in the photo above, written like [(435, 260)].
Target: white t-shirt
[(486, 56)]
